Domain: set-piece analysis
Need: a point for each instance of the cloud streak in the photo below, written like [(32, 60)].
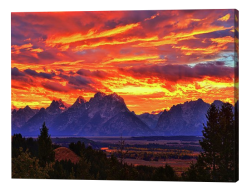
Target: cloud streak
[(90, 35), (40, 74), (181, 54), (175, 73)]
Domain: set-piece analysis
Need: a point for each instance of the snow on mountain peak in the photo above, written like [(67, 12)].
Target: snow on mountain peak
[(116, 97), (99, 95), (57, 105), (80, 100)]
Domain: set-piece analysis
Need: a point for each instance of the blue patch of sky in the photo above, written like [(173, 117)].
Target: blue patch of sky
[(229, 59)]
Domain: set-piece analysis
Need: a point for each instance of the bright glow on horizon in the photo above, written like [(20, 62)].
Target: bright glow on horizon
[(153, 59)]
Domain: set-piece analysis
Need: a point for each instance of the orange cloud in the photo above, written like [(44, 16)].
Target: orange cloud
[(175, 38), (223, 40), (152, 17), (132, 58), (207, 50), (115, 42), (68, 54), (38, 50), (212, 49), (16, 49), (90, 35), (225, 18)]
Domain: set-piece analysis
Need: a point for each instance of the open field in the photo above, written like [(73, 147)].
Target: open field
[(178, 165), (178, 152), (174, 142), (145, 140)]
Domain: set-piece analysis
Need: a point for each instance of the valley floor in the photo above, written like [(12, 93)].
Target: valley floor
[(178, 165), (178, 152)]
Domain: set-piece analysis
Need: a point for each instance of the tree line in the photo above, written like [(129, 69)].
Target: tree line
[(218, 160), (36, 159)]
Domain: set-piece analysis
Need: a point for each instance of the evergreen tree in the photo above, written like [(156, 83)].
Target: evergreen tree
[(45, 149), (25, 166), (83, 169), (226, 165), (121, 151), (166, 173), (210, 141), (72, 174), (236, 137), (218, 160), (78, 147)]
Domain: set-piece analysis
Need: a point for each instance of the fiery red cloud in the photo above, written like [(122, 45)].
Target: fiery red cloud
[(153, 59)]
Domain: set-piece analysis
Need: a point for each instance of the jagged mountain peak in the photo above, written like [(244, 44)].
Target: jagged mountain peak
[(27, 108), (109, 115), (42, 109), (57, 106), (183, 119), (200, 100), (58, 101), (99, 95), (80, 98), (79, 101), (116, 97)]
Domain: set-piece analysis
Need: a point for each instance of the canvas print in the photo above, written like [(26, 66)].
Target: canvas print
[(125, 95)]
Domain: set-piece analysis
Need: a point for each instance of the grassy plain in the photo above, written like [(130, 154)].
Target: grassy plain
[(178, 152)]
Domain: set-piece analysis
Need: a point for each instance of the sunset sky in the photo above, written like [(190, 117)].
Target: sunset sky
[(153, 59)]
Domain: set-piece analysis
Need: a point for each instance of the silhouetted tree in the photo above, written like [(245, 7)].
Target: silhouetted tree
[(78, 147), (211, 140), (236, 136), (217, 162), (24, 166), (226, 164), (45, 149), (166, 173), (82, 171), (121, 151)]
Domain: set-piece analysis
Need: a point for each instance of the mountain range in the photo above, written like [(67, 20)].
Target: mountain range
[(108, 115)]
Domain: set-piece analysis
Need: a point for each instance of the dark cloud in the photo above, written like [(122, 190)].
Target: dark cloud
[(46, 55), (79, 80), (97, 73), (15, 72), (216, 34), (110, 24), (40, 74), (60, 70), (63, 76), (20, 76), (175, 73), (85, 88), (131, 17), (219, 63), (24, 58), (54, 86), (74, 83)]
